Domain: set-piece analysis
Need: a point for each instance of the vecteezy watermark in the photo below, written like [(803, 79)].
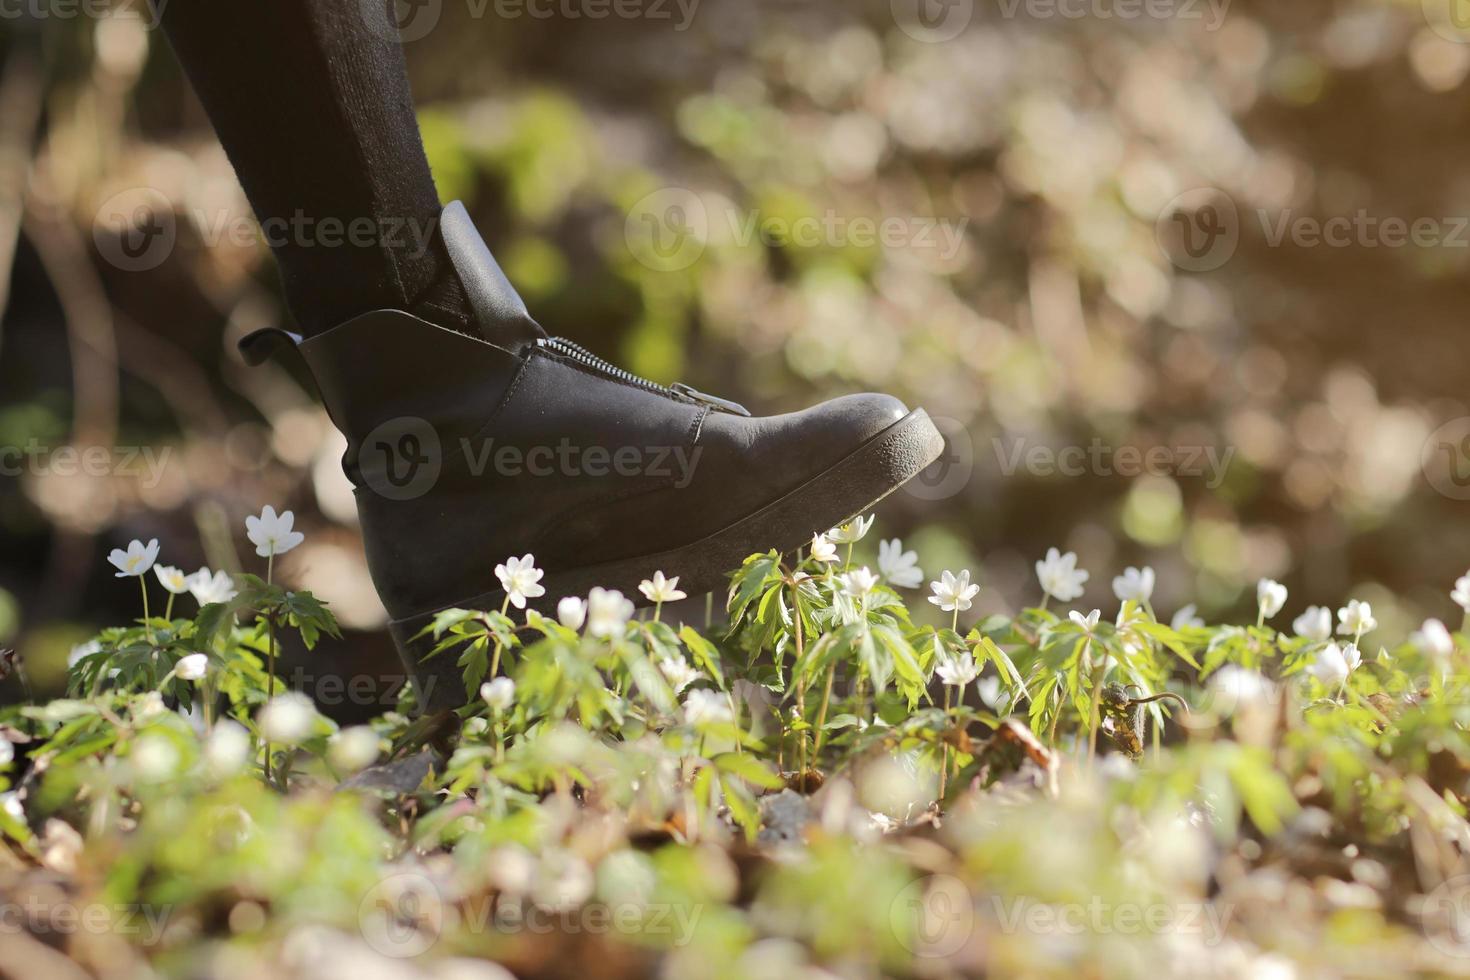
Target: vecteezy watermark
[(149, 14), (935, 21), (1099, 917), (404, 458), (358, 690), (669, 230), (404, 916), (1201, 230), (1445, 459), (413, 20), (39, 916), (950, 473), (1207, 463), (933, 917), (143, 463), (1444, 915), (137, 230)]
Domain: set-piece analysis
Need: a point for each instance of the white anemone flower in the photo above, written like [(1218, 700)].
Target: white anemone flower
[(678, 673), (1355, 619), (1315, 624), (1135, 585), (899, 567), (1234, 688), (1186, 618), (207, 587), (154, 758), (11, 805), (1270, 597), (852, 532), (353, 749), (272, 533), (1334, 664), (499, 694), (226, 750), (192, 668), (860, 583), (608, 611), (1088, 622), (288, 718), (172, 579), (823, 550), (136, 560), (660, 589), (703, 707), (1433, 639), (957, 671), (521, 579), (1060, 577), (1461, 594), (571, 612), (953, 593), (7, 752)]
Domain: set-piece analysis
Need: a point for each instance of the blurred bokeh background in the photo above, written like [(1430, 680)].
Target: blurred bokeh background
[(990, 208)]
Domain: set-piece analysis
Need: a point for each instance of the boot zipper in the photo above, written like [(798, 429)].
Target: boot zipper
[(576, 352)]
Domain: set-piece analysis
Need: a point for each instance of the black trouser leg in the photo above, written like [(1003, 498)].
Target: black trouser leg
[(311, 101)]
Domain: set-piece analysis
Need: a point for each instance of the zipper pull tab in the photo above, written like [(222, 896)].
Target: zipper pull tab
[(723, 404)]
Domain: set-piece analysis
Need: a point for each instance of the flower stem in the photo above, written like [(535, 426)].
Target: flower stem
[(147, 626), (1094, 720), (822, 713), (658, 608), (800, 686), (944, 764), (270, 669)]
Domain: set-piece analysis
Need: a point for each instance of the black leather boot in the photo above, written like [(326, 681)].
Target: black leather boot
[(465, 452)]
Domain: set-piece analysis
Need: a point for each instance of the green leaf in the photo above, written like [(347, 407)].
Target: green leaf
[(706, 655)]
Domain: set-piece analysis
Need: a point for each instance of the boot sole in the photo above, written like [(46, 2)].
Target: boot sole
[(867, 475)]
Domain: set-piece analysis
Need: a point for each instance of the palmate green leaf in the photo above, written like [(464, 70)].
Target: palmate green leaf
[(310, 616), (475, 663), (749, 768), (987, 649), (743, 808), (875, 659), (752, 579), (1170, 638), (647, 679), (704, 653), (445, 621)]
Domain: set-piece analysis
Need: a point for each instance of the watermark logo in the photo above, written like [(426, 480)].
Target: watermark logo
[(150, 15), (401, 459), (1098, 917), (667, 231), (933, 917), (401, 21), (404, 459), (1445, 459), (933, 21), (1199, 230), (135, 229), (950, 473), (1208, 463), (1450, 19), (402, 916), (1445, 917)]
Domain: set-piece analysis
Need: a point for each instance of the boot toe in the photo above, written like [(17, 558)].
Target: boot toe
[(854, 419)]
